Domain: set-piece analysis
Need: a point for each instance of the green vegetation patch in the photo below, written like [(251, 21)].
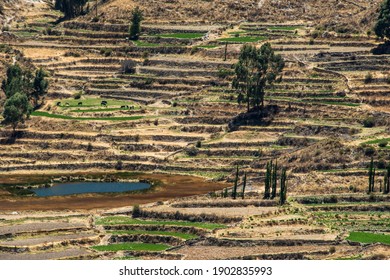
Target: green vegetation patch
[(131, 247), (145, 44), (185, 236), (287, 28), (366, 237), (245, 39), (90, 102), (122, 220), (56, 116), (182, 35)]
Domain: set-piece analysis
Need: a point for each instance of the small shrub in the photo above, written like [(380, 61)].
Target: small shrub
[(381, 164), (368, 78), (155, 122), (89, 147), (332, 250), (369, 151), (119, 165), (106, 52), (191, 151), (369, 122), (174, 104), (136, 211), (311, 42), (77, 95), (383, 144), (198, 144)]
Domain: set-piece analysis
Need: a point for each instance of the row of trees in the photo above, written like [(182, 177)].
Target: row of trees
[(271, 183), (24, 92), (256, 68), (371, 179)]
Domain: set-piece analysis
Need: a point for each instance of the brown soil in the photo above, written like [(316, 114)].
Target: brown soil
[(170, 186)]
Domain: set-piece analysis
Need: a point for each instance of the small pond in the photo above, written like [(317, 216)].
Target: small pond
[(89, 187)]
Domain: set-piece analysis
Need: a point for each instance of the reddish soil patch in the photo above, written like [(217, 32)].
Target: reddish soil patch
[(169, 186)]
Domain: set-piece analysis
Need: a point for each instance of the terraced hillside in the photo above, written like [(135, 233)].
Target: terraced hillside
[(162, 109)]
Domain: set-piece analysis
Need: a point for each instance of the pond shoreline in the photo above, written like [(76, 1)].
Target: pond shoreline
[(166, 187)]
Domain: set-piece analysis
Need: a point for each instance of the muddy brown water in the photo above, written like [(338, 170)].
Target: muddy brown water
[(168, 187)]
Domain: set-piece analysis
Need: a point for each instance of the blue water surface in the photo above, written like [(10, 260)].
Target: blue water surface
[(89, 187)]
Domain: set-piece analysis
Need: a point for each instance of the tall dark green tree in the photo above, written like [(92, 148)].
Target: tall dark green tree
[(40, 86), (243, 186), (135, 25), (283, 187), (267, 183), (386, 181), (17, 109), (70, 8), (234, 192), (371, 176), (274, 180), (255, 69), (17, 80), (382, 26)]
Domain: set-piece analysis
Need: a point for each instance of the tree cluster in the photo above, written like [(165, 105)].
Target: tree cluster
[(70, 8), (271, 182), (255, 69), (382, 26), (23, 92)]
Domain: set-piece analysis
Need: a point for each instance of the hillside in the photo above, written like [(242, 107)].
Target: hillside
[(161, 110), (354, 16)]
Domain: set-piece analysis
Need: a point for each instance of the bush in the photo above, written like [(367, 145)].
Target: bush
[(106, 52), (368, 78), (369, 151), (191, 151), (136, 211), (369, 122), (198, 144), (383, 143), (77, 95), (332, 250), (89, 147), (381, 164), (119, 165)]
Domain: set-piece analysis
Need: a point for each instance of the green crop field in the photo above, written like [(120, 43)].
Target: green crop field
[(246, 39), (366, 237), (117, 220), (56, 116), (182, 35), (90, 102), (131, 247), (185, 236)]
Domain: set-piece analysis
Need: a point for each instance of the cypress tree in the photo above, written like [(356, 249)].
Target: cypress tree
[(268, 180), (274, 180), (386, 181), (370, 176), (135, 27), (234, 193), (225, 193), (244, 186), (283, 187)]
